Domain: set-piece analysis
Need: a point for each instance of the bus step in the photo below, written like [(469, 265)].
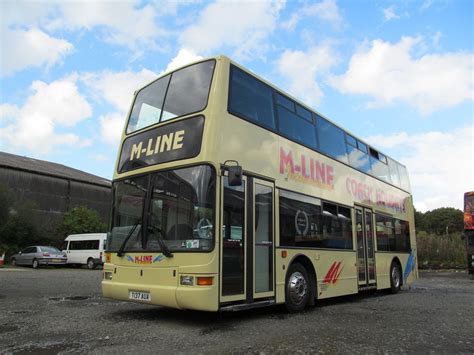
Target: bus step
[(241, 307)]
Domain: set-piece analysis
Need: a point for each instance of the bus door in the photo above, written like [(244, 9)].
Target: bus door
[(365, 246), (247, 241)]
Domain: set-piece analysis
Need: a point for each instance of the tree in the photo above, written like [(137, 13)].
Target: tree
[(81, 220), (443, 220), (420, 221)]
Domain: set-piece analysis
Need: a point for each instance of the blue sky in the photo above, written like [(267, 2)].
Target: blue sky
[(399, 74)]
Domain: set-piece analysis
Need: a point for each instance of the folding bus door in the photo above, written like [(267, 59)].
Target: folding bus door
[(365, 246), (247, 241)]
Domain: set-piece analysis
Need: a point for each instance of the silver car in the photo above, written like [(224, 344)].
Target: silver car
[(39, 255)]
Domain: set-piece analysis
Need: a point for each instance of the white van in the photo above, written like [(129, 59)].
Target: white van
[(85, 249)]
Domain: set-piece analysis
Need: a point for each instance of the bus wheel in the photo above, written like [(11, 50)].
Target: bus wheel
[(297, 289), (395, 278), (90, 264)]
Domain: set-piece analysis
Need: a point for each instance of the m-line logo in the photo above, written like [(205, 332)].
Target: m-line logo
[(305, 169), (145, 259), (333, 273), (158, 144)]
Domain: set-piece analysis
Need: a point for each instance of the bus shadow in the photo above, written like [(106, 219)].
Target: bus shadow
[(209, 322)]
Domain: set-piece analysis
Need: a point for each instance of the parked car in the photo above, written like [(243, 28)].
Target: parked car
[(37, 256), (85, 249)]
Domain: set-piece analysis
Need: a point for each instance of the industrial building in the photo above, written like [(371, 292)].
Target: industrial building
[(54, 189)]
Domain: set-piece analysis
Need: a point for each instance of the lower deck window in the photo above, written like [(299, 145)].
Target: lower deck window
[(392, 234), (306, 222)]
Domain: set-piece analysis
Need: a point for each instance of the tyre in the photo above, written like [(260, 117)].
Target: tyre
[(35, 264), (297, 288), (13, 262), (91, 264), (395, 278)]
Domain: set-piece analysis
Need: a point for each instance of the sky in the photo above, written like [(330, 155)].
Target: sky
[(398, 74)]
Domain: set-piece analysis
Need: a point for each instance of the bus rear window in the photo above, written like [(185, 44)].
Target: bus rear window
[(181, 93)]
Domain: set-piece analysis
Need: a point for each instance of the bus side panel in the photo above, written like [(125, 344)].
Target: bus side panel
[(383, 262), (336, 272)]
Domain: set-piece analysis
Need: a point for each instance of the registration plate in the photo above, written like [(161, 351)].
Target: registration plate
[(57, 260), (139, 296)]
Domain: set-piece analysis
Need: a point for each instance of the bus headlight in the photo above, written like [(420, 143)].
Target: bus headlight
[(187, 280), (107, 275)]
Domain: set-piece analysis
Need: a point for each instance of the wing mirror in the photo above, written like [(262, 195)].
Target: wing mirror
[(234, 173)]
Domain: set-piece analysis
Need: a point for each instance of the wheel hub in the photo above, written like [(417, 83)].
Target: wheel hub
[(395, 277), (298, 287)]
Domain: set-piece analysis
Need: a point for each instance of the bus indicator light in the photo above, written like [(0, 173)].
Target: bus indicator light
[(284, 254), (204, 281)]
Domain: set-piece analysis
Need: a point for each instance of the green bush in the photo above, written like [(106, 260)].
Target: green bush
[(81, 220), (441, 251)]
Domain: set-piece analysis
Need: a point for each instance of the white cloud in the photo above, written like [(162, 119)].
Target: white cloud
[(100, 157), (124, 22), (111, 127), (7, 112), (426, 5), (34, 126), (436, 38), (326, 10), (30, 48), (243, 26), (117, 89), (440, 164), (390, 73), (303, 69), (389, 13), (183, 57), (27, 28)]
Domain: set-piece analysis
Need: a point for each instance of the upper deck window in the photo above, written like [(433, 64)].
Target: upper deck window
[(255, 101), (331, 140), (180, 93), (250, 98)]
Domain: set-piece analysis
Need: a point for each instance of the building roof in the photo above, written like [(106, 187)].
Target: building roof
[(43, 167)]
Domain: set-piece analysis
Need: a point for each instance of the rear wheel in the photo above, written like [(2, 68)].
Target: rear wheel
[(297, 289), (91, 264), (35, 264), (395, 278)]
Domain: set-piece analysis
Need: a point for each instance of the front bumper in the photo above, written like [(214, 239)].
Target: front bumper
[(203, 298)]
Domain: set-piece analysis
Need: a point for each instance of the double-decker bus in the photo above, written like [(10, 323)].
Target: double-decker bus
[(469, 229), (230, 194)]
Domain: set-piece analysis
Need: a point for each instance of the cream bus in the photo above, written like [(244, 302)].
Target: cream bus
[(230, 194)]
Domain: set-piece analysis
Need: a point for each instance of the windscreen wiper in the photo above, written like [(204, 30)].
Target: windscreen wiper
[(159, 237), (122, 247)]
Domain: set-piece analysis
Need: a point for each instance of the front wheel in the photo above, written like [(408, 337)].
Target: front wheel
[(35, 264), (13, 262), (91, 264), (395, 278), (297, 289)]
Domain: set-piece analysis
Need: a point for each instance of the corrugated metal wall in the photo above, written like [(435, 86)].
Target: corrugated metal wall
[(53, 196)]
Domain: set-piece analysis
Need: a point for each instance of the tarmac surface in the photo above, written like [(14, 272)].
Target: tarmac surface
[(50, 311)]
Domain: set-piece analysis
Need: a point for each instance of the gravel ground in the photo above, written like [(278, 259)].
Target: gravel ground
[(51, 311)]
